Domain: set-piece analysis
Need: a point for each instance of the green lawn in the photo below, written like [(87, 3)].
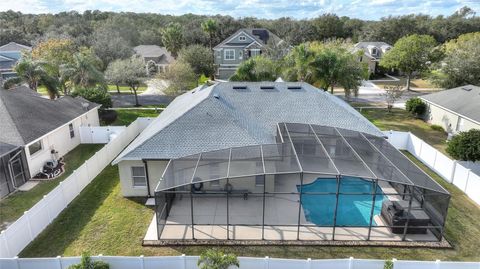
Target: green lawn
[(126, 89), (400, 120), (100, 220), (126, 116), (13, 206), (415, 83)]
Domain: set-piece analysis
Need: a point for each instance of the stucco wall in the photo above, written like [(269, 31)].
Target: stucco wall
[(60, 140), (155, 171), (448, 120)]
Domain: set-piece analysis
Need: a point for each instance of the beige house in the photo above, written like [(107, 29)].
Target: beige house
[(372, 53), (456, 109), (160, 56)]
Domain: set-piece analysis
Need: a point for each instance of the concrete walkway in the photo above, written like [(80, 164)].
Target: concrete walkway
[(155, 86)]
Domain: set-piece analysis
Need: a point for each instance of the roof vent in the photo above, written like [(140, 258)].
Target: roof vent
[(215, 95), (267, 88), (467, 89), (294, 88), (239, 87)]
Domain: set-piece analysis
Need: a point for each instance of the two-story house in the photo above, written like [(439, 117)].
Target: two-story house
[(242, 45), (372, 53), (10, 54)]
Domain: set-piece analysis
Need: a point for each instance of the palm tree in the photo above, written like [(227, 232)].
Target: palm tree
[(82, 72), (213, 259), (298, 65), (34, 73), (210, 27), (172, 38)]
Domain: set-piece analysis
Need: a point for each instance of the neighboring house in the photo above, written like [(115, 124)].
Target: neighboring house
[(372, 53), (242, 45), (156, 54), (226, 115), (10, 54), (456, 109), (36, 127)]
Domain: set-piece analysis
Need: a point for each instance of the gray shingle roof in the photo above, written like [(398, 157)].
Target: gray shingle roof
[(154, 51), (25, 116), (251, 32), (13, 46), (463, 100), (219, 116)]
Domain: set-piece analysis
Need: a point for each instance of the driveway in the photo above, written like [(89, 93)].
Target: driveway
[(155, 87)]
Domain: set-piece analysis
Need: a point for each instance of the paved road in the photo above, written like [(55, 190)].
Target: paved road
[(127, 100)]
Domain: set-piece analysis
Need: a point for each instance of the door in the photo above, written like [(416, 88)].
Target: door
[(459, 124), (18, 175)]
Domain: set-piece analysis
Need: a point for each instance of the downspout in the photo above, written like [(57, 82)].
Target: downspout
[(146, 175)]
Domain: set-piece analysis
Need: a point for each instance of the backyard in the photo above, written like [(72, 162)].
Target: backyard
[(100, 220), (13, 206)]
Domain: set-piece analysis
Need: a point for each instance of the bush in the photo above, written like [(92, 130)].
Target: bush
[(416, 106), (87, 263), (11, 82), (108, 116), (437, 128), (465, 146), (97, 94), (214, 259)]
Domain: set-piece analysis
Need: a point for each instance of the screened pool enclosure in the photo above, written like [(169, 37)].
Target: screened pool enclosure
[(315, 183)]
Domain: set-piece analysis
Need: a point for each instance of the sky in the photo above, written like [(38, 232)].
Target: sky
[(269, 9)]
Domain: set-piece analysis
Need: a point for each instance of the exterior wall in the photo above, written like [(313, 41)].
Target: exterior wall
[(448, 120), (59, 139), (155, 171)]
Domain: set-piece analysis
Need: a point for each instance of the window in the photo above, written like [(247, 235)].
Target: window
[(229, 54), (72, 131), (35, 147), (260, 180), (374, 51), (255, 52), (460, 123), (139, 177), (242, 38)]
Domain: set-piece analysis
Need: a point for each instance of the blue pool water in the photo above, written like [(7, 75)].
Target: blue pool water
[(353, 210)]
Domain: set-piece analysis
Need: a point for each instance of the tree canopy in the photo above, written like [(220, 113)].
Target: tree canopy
[(200, 58), (465, 146)]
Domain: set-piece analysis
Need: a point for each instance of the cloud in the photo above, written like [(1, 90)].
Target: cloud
[(362, 9)]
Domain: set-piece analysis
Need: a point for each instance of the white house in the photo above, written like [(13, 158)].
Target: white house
[(42, 126), (456, 109)]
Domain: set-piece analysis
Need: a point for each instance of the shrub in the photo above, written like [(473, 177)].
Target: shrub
[(214, 259), (97, 94), (11, 82), (465, 146), (388, 264), (108, 116), (87, 263), (416, 106), (437, 128)]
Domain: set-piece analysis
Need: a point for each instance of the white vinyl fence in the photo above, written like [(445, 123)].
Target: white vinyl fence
[(461, 175), (190, 262), (20, 233), (99, 134)]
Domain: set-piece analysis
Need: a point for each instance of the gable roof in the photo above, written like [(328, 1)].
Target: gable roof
[(4, 58), (260, 35), (367, 45), (26, 116), (13, 46), (154, 51), (219, 116), (464, 101)]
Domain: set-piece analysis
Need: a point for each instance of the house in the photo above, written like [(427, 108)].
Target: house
[(456, 109), (372, 53), (231, 161), (242, 45), (10, 54), (35, 130), (156, 54)]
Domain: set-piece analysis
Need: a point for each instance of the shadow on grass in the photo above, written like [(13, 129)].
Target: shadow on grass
[(69, 224)]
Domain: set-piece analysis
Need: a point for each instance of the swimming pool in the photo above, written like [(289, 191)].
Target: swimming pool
[(353, 209)]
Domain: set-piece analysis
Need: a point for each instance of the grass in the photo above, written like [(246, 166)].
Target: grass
[(100, 220), (126, 89), (13, 206), (127, 116), (400, 120), (414, 83)]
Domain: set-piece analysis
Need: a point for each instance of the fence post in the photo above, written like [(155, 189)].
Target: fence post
[(184, 261), (17, 262), (437, 264), (309, 263), (350, 263), (6, 243), (466, 181), (452, 176), (420, 149), (266, 264), (59, 262), (48, 211), (63, 194), (393, 262), (29, 225), (142, 262), (435, 159)]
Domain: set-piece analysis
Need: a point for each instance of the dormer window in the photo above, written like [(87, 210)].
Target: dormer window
[(242, 38), (374, 51)]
